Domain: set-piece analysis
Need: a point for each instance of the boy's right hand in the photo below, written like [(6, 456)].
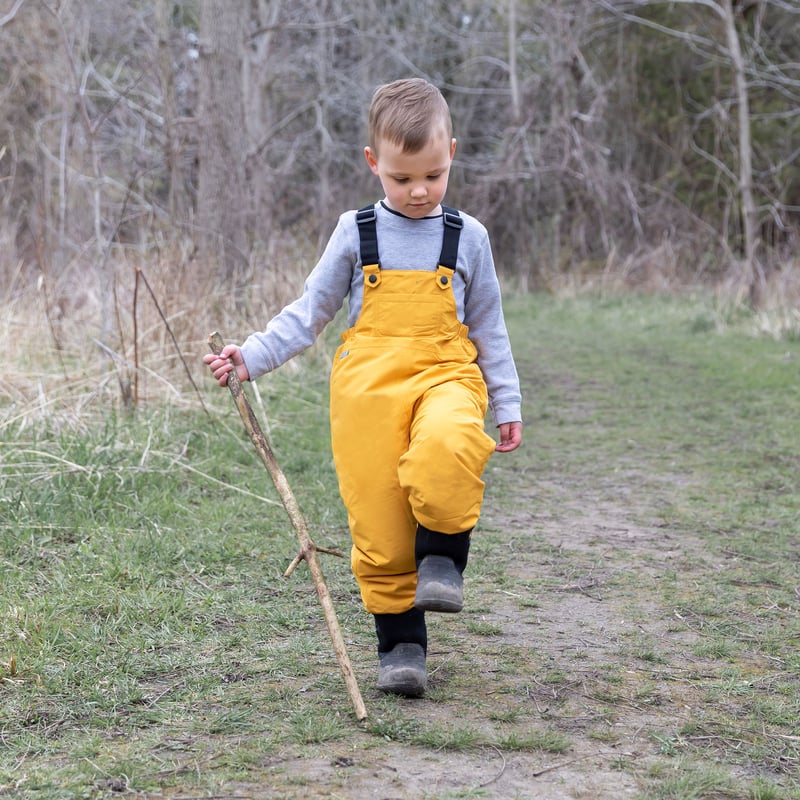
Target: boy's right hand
[(220, 365)]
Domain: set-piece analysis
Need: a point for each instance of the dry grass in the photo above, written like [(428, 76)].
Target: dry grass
[(132, 330), (90, 341), (675, 269), (632, 621)]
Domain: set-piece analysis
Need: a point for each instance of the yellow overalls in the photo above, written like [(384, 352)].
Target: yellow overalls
[(408, 403)]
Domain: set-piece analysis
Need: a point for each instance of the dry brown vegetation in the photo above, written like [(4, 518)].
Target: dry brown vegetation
[(64, 365), (172, 166)]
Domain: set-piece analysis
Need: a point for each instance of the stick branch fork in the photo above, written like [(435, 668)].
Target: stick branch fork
[(308, 550)]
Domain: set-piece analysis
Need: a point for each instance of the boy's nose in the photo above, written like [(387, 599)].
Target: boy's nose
[(418, 191)]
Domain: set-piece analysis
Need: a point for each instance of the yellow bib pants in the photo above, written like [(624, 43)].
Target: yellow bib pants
[(408, 403)]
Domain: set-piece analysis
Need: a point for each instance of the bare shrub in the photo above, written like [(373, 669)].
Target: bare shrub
[(165, 305)]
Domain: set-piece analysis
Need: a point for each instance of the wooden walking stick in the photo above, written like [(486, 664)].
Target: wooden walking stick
[(308, 550)]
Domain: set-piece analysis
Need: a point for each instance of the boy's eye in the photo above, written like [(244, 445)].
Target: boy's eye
[(427, 177)]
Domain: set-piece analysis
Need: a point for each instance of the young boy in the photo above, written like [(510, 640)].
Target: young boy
[(425, 354)]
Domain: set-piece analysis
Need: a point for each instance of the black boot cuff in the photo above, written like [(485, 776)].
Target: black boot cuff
[(408, 627)]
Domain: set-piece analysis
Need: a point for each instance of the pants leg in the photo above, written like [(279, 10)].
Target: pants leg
[(409, 454), (447, 454), (369, 433)]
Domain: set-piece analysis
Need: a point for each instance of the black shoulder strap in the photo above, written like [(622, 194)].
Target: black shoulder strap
[(452, 231), (368, 234)]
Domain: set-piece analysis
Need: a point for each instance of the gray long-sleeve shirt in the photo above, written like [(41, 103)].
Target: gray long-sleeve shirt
[(403, 243)]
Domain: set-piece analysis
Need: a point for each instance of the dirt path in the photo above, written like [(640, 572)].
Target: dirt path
[(581, 667), (568, 646)]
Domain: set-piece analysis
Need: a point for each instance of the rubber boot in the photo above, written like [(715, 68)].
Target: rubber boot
[(441, 561), (402, 647)]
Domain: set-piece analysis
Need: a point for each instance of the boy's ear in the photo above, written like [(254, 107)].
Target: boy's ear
[(452, 148), (372, 159)]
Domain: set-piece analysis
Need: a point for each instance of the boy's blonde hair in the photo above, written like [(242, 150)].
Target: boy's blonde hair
[(407, 113)]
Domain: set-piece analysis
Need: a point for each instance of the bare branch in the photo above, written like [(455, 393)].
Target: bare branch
[(790, 6), (11, 14), (723, 168), (618, 10), (298, 26)]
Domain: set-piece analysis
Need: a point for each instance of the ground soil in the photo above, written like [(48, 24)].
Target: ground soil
[(575, 629)]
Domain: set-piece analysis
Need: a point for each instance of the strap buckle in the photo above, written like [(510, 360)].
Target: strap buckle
[(366, 215), (453, 219)]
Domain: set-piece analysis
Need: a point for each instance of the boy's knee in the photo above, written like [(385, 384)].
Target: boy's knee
[(448, 452)]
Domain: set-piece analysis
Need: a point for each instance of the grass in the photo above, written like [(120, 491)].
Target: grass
[(150, 645)]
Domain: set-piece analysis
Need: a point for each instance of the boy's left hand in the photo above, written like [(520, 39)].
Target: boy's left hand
[(510, 437)]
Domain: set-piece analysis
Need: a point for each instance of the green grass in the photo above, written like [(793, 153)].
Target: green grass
[(149, 642)]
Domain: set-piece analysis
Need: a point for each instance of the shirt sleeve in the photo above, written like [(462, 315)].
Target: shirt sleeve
[(298, 325), (483, 315)]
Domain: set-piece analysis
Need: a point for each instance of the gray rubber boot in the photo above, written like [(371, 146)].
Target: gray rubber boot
[(402, 670), (441, 559), (402, 645), (440, 586)]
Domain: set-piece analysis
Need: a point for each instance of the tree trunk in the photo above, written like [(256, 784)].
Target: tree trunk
[(221, 196), (749, 213), (176, 197)]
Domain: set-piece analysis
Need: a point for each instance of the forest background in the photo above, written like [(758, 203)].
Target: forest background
[(167, 165), (172, 167)]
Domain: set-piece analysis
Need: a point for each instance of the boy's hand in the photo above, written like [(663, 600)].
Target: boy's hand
[(220, 365), (510, 437)]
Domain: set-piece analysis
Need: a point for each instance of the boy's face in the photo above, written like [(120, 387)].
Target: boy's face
[(415, 183)]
